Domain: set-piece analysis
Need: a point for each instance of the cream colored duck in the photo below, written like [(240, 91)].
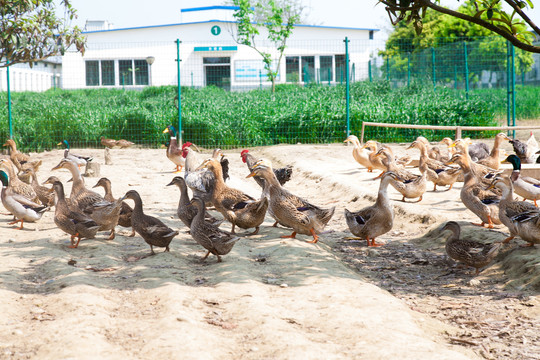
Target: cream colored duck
[(374, 220), (237, 207), (291, 210), (360, 154), (483, 204), (174, 151), (492, 161), (22, 208)]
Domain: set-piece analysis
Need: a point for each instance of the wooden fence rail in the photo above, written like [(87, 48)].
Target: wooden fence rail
[(458, 129)]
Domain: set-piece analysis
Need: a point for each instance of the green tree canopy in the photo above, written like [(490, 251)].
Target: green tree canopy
[(512, 25), (30, 31), (446, 34), (277, 17)]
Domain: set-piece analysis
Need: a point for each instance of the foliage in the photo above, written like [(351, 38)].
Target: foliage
[(212, 117), (31, 31), (488, 14), (276, 18), (447, 34)]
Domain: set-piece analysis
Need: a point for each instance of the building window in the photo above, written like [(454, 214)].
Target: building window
[(341, 74), (141, 72), (92, 73), (292, 66), (107, 72), (326, 71), (370, 34), (125, 69), (308, 69)]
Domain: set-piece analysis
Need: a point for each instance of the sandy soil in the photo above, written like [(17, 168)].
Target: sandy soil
[(270, 297)]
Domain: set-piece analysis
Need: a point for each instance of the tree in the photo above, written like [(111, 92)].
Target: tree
[(278, 18), (446, 34), (30, 31), (487, 14)]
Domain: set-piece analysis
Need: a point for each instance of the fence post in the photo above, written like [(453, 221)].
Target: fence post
[(511, 87), (179, 94), (347, 85), (466, 70), (433, 65), (369, 71), (409, 69), (192, 79), (9, 102), (329, 76), (260, 79), (387, 67)]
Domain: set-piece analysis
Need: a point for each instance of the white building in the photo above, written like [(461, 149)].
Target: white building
[(42, 76), (140, 56)]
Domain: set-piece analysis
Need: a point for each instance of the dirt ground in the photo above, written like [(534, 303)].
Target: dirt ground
[(270, 297)]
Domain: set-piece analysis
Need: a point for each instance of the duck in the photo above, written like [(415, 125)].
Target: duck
[(23, 175), (360, 154), (44, 194), (377, 219), (483, 173), (377, 162), (392, 165), (433, 151), (477, 151), (75, 223), (174, 153), (450, 150), (185, 211), (526, 151), (411, 188), (77, 159), (208, 235), (510, 211), (124, 144), (16, 184), (289, 209), (237, 207), (469, 252), (108, 143), (283, 175), (22, 208), (151, 229), (492, 161), (91, 203), (124, 219), (524, 186), (15, 155), (482, 203), (436, 171)]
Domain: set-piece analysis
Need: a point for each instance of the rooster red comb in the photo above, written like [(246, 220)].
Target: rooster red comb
[(186, 145), (245, 151)]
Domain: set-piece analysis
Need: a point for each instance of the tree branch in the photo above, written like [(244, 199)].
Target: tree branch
[(516, 42), (523, 15)]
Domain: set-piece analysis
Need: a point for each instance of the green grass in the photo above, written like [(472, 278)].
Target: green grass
[(212, 117)]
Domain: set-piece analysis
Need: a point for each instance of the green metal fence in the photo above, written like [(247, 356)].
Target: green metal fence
[(131, 91)]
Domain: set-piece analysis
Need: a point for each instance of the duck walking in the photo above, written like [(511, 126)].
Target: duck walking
[(469, 252), (210, 236), (77, 224), (374, 220), (151, 229)]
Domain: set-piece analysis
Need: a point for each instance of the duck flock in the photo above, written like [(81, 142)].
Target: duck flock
[(486, 192)]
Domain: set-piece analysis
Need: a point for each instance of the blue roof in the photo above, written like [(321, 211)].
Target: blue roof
[(222, 21), (210, 8)]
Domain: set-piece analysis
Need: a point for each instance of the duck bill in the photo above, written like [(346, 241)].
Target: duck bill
[(59, 166), (251, 174), (166, 130)]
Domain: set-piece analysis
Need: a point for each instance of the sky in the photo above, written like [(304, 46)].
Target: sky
[(342, 13)]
